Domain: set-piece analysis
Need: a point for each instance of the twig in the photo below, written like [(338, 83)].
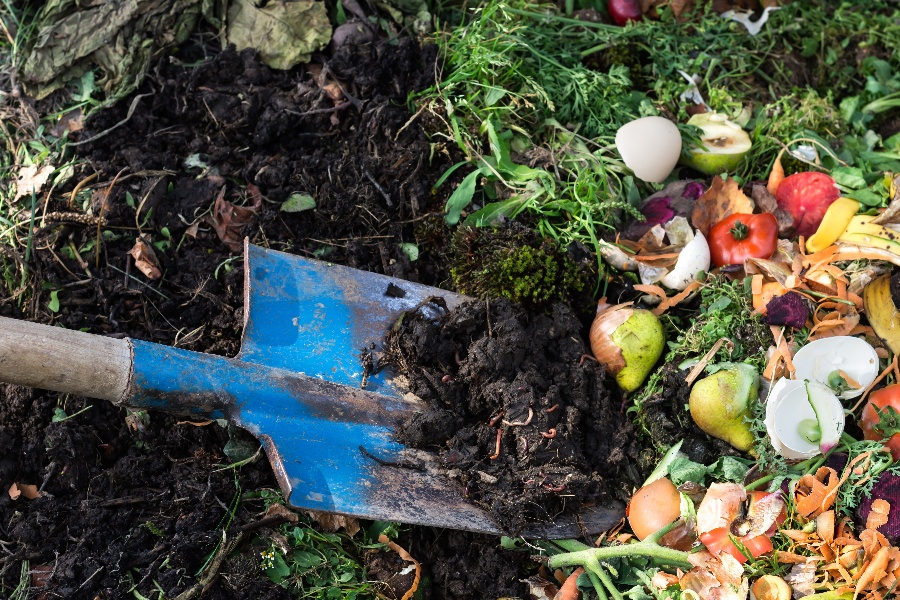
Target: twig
[(378, 187), (100, 221), (106, 132), (80, 186)]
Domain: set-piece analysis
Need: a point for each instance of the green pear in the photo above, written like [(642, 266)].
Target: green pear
[(724, 145), (720, 404), (642, 340)]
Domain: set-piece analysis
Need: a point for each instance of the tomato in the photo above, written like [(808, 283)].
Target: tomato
[(880, 418), (718, 540), (738, 237)]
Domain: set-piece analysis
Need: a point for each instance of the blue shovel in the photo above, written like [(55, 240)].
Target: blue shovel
[(295, 385)]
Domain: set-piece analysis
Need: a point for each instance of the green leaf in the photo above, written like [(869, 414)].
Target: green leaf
[(53, 305), (729, 468), (447, 174), (298, 203), (494, 95), (59, 415), (307, 560), (493, 212), (683, 469), (849, 177), (279, 570), (410, 250), (866, 197), (461, 197)]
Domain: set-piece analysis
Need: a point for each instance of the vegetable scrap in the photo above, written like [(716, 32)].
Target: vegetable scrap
[(814, 419)]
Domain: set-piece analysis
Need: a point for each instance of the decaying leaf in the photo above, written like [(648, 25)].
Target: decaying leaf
[(145, 258), (31, 179), (284, 33), (333, 522), (229, 220), (722, 199), (280, 510), (541, 589), (117, 39)]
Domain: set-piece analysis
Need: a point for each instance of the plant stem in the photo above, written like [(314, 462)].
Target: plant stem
[(588, 556)]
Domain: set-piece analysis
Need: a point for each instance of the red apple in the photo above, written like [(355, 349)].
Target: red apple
[(806, 196), (623, 11)]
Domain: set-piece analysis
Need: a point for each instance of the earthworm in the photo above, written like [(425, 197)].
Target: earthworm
[(584, 356), (521, 423), (447, 378), (496, 419), (554, 488), (550, 433), (552, 408), (524, 441), (497, 453)]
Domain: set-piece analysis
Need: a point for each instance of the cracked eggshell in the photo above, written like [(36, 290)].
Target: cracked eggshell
[(650, 147), (779, 392), (852, 355), (692, 259), (787, 406)]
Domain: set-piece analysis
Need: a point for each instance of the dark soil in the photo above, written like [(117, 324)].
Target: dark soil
[(136, 502), (518, 410)]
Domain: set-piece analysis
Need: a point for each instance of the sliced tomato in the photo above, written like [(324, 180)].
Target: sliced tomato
[(880, 418), (718, 541)]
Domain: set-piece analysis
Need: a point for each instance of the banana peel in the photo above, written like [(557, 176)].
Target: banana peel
[(882, 312), (861, 230), (835, 222)]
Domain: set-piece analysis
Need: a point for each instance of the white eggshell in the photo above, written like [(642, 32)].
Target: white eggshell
[(692, 259), (650, 147), (781, 390), (786, 407), (854, 356)]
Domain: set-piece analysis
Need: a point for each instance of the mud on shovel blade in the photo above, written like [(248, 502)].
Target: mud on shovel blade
[(295, 385)]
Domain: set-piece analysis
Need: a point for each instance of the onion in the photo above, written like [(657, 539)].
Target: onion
[(627, 341)]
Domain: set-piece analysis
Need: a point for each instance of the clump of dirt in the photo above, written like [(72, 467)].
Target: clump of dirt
[(517, 409), (666, 422)]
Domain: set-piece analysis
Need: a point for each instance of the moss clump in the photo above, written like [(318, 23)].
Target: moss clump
[(516, 263)]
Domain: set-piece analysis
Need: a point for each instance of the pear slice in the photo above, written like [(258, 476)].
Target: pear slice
[(724, 144)]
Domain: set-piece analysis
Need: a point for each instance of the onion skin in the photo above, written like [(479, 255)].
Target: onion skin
[(605, 324), (653, 507), (627, 341)]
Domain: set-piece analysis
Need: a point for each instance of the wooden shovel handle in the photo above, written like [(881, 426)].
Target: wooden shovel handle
[(62, 360)]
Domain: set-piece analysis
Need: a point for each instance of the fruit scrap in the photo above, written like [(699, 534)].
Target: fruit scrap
[(807, 197)]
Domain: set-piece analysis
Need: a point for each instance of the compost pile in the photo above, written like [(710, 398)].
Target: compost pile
[(517, 409)]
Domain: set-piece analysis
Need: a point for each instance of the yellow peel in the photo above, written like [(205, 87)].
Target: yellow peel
[(834, 223)]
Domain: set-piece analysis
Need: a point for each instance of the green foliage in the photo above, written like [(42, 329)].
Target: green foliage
[(725, 311), (513, 262), (318, 564)]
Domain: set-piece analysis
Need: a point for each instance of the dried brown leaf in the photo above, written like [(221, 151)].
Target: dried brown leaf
[(333, 522), (31, 179), (229, 220), (722, 199), (145, 259)]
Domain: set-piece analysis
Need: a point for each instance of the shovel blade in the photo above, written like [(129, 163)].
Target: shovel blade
[(331, 443)]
